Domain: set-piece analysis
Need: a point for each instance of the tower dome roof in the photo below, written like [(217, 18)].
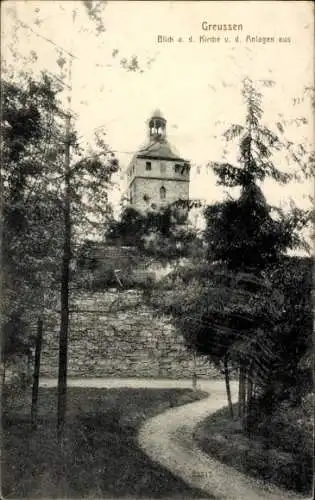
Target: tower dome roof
[(157, 114)]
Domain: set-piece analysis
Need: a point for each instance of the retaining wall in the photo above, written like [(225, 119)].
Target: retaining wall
[(114, 334)]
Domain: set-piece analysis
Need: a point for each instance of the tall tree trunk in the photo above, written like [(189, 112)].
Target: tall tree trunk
[(250, 385), (242, 392), (227, 385), (254, 386), (38, 348), (2, 268), (64, 298), (194, 375), (249, 395)]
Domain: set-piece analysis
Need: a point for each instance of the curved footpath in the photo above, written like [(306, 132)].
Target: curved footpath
[(169, 440)]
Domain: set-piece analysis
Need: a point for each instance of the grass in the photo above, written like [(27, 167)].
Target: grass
[(100, 458), (223, 438)]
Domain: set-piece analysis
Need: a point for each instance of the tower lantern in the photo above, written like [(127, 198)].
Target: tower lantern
[(157, 126)]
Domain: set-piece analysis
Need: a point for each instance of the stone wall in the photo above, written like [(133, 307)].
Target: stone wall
[(175, 190), (113, 334), (148, 183)]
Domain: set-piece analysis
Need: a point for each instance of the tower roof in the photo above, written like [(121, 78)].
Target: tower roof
[(158, 149), (157, 114)]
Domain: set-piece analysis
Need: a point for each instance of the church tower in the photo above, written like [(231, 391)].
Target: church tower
[(157, 176)]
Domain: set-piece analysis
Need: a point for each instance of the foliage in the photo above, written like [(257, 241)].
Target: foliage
[(31, 235), (248, 306), (247, 232), (161, 234), (129, 230), (286, 379), (90, 183), (281, 453), (267, 332), (33, 177), (219, 312), (95, 10), (250, 238)]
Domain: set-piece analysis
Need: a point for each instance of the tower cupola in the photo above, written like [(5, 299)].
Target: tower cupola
[(157, 126), (157, 176)]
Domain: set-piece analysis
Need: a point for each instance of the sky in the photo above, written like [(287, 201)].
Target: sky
[(197, 86)]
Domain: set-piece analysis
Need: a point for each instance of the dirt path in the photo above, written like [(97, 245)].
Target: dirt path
[(169, 440)]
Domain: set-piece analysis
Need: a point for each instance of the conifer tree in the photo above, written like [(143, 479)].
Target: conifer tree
[(233, 309)]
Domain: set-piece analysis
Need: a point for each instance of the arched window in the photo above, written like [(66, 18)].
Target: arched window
[(162, 193)]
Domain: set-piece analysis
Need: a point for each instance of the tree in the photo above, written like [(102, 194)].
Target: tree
[(31, 235), (244, 234), (218, 313), (163, 234), (38, 220), (85, 206), (287, 379), (233, 309), (248, 232)]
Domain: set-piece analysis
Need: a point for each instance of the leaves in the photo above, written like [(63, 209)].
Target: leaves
[(33, 171), (228, 174), (131, 65), (280, 127), (95, 10), (233, 131), (161, 233)]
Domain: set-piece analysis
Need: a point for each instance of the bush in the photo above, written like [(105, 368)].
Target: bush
[(289, 430), (282, 452)]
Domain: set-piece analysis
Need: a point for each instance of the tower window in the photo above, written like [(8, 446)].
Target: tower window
[(163, 168), (148, 165), (181, 168), (146, 198), (162, 193)]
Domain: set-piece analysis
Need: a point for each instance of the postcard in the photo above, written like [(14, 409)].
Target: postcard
[(157, 183)]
